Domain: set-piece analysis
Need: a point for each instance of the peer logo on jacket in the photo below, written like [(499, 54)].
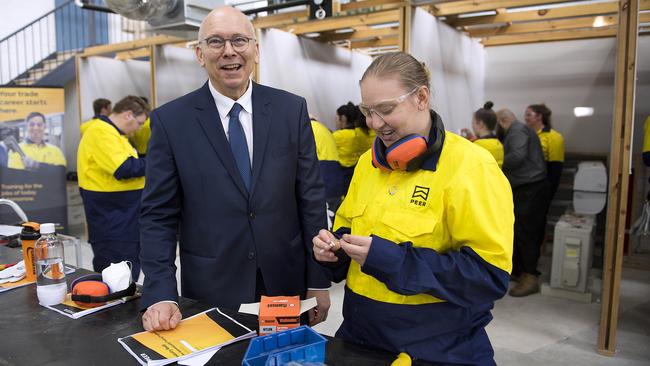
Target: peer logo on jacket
[(420, 195)]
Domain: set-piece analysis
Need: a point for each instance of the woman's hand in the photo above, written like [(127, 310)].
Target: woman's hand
[(357, 247), (324, 244)]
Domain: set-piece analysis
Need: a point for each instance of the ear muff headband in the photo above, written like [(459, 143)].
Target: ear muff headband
[(409, 152), (129, 291)]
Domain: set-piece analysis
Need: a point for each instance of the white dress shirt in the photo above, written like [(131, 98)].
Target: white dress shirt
[(224, 104)]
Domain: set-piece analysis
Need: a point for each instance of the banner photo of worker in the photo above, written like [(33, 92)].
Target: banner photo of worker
[(32, 164)]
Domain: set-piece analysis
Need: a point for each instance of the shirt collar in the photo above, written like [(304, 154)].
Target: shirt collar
[(436, 132), (108, 120), (224, 103), (490, 135), (546, 129)]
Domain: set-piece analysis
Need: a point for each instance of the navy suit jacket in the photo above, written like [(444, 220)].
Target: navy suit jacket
[(193, 189)]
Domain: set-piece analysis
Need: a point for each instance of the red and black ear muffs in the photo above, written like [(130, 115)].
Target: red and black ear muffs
[(90, 291), (407, 153)]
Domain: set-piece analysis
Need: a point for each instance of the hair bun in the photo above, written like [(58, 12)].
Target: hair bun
[(488, 105)]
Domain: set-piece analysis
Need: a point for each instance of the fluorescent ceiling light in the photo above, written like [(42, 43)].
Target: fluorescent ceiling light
[(599, 21), (583, 111), (311, 35), (384, 25), (344, 30)]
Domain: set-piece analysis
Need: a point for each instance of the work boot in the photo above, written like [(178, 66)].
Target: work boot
[(527, 285), (514, 277)]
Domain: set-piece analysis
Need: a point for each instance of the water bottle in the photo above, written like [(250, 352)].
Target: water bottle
[(51, 286)]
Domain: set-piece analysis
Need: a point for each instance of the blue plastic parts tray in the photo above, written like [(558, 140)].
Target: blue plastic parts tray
[(300, 344)]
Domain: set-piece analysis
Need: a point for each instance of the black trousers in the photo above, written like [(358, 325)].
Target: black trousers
[(112, 251), (531, 204)]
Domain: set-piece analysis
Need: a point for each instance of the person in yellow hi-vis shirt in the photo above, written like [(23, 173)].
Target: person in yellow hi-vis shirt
[(328, 157), (538, 117), (352, 138), (646, 142), (140, 138), (111, 179), (38, 154), (102, 109), (426, 228), (483, 123)]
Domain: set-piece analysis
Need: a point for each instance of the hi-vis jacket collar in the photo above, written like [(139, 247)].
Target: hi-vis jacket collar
[(108, 120), (431, 161)]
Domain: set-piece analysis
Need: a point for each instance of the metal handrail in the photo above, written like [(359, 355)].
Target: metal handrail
[(46, 42), (36, 20)]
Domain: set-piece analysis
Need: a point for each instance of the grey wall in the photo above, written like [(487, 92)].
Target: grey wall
[(565, 75)]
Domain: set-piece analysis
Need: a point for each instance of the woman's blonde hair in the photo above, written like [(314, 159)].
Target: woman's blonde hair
[(410, 72)]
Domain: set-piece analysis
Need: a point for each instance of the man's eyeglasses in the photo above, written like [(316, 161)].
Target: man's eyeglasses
[(238, 43), (385, 107)]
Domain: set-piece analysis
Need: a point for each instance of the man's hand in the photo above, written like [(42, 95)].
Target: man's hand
[(319, 313), (323, 245), (357, 247), (162, 316)]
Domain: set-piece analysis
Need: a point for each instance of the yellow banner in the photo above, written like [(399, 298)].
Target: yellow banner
[(17, 103)]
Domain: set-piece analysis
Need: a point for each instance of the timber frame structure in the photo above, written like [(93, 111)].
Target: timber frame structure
[(377, 26)]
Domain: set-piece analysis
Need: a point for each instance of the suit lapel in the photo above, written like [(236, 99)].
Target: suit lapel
[(211, 124), (261, 126)]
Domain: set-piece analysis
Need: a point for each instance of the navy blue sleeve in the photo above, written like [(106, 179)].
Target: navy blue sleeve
[(332, 175), (159, 219), (459, 277), (130, 168), (310, 194)]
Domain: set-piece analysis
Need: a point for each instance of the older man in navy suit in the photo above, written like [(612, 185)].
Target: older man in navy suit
[(232, 167)]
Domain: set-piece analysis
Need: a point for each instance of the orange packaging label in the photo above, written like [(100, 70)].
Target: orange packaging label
[(279, 313)]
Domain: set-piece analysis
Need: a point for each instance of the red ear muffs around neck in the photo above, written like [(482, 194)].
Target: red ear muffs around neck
[(399, 154)]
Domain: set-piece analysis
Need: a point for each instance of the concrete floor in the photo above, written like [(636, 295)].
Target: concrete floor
[(540, 330)]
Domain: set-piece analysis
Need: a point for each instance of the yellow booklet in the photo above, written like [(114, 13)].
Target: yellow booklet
[(195, 335), (73, 310)]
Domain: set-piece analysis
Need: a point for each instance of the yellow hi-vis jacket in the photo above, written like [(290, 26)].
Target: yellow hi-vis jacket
[(325, 144), (102, 150), (351, 143), (465, 203), (552, 144), (140, 138), (494, 146), (43, 153), (86, 125)]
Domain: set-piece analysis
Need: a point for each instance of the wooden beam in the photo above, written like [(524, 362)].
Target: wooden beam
[(131, 45), (405, 15), (473, 6), (329, 24), (131, 54), (353, 8), (544, 26), (153, 94), (625, 80), (388, 41), (359, 34), (276, 20), (546, 14), (549, 36)]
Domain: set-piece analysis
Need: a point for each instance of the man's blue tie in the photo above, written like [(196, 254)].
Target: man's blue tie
[(238, 145)]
